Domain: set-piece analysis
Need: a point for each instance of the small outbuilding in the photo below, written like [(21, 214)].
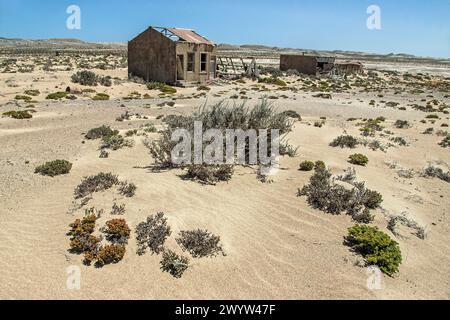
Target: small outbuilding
[(306, 63), (348, 68), (171, 55)]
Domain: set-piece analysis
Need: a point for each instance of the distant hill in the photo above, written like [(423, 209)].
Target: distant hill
[(11, 43)]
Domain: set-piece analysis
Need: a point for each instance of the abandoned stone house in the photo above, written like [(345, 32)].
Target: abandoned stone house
[(306, 64), (171, 55)]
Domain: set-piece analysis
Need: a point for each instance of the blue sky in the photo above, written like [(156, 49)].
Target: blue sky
[(420, 27)]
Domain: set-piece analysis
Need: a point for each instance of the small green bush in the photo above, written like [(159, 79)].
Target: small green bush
[(273, 80), (101, 96), (445, 143), (127, 189), (306, 166), (203, 88), (320, 165), (22, 97), (33, 93), (432, 116), (56, 95), (54, 168), (358, 159), (174, 264), (344, 141), (100, 132), (21, 114), (115, 142), (376, 247)]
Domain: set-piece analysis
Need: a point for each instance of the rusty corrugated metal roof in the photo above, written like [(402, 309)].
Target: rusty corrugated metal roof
[(189, 36)]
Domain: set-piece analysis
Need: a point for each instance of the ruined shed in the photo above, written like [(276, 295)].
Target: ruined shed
[(306, 64), (171, 55)]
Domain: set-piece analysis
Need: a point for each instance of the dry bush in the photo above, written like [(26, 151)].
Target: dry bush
[(117, 231), (100, 132), (436, 172), (152, 234), (81, 233), (325, 194), (306, 166), (109, 254), (127, 189), (174, 264), (85, 78), (222, 117), (117, 210), (402, 219), (200, 243), (97, 183), (210, 174), (116, 142), (54, 168), (345, 141)]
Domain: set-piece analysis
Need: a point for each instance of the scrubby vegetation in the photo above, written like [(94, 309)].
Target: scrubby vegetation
[(273, 80), (152, 234), (100, 132), (56, 95), (358, 159), (376, 247), (54, 168), (21, 114), (115, 142), (222, 117), (345, 141), (117, 231), (101, 96), (402, 124), (436, 172), (325, 194), (200, 243), (109, 254), (445, 143), (85, 78), (306, 166), (174, 264), (127, 189), (164, 88), (97, 183), (210, 174)]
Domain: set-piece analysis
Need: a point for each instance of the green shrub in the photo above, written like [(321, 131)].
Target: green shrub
[(115, 142), (152, 234), (57, 95), (306, 166), (345, 141), (376, 247), (174, 264), (54, 168), (432, 116), (200, 243), (97, 183), (100, 96), (22, 97), (164, 88), (273, 80), (320, 165), (33, 93), (100, 132), (358, 159), (85, 78), (21, 114)]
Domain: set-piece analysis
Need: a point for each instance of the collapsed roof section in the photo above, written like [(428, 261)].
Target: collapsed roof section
[(183, 35)]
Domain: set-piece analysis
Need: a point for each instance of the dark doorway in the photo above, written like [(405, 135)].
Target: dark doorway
[(180, 67)]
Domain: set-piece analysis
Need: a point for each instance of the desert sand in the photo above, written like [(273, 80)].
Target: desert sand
[(277, 247)]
